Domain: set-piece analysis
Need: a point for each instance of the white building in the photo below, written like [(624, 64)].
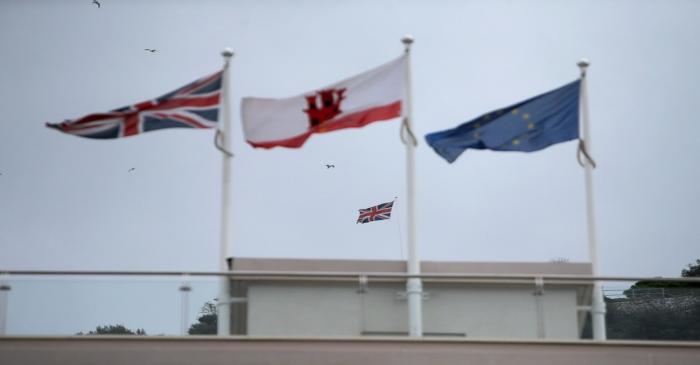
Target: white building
[(458, 307)]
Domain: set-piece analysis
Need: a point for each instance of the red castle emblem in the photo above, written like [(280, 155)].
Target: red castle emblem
[(329, 108)]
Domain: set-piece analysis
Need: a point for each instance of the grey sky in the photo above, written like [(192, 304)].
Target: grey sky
[(70, 203)]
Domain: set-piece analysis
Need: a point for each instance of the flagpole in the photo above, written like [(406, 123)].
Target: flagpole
[(414, 287), (598, 307), (223, 326)]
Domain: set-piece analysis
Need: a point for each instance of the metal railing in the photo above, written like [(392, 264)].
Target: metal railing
[(93, 298), (345, 274)]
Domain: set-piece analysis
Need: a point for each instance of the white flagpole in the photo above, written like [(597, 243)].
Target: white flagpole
[(598, 307), (223, 326), (414, 287)]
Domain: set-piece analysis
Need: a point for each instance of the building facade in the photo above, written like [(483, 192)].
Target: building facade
[(521, 308)]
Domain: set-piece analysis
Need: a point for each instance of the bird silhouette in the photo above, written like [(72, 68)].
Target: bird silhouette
[(132, 169), (152, 50), (96, 3), (328, 166)]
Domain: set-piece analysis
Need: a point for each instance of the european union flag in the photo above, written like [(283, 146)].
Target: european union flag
[(528, 126)]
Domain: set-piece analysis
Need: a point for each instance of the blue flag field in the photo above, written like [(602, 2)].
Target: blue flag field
[(528, 126)]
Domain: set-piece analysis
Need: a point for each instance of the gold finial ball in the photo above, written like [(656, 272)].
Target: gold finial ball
[(583, 63), (407, 39)]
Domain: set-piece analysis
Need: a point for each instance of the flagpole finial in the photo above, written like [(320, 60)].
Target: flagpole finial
[(407, 40), (227, 52), (583, 65)]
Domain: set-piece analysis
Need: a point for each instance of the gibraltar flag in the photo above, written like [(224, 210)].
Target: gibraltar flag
[(372, 96)]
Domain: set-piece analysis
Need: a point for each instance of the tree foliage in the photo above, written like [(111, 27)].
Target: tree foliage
[(690, 271), (206, 323), (693, 271), (117, 329)]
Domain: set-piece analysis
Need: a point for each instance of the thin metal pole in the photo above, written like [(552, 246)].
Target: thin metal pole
[(352, 275), (185, 289), (539, 307), (224, 312), (414, 286), (598, 311), (4, 293)]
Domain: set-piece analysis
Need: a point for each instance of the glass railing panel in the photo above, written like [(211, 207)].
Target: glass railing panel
[(383, 309), (76, 305), (198, 305), (665, 312), (307, 308), (499, 310), (302, 305)]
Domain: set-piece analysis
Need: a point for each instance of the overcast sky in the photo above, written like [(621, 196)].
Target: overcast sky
[(71, 203)]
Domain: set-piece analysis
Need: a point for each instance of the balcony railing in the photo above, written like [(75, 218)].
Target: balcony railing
[(342, 304)]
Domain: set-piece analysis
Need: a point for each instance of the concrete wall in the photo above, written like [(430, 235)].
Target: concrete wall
[(212, 350), (475, 311)]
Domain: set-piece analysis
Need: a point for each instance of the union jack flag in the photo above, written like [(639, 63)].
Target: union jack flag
[(195, 105), (375, 213)]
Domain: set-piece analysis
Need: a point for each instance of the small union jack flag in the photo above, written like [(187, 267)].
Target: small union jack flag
[(195, 105), (375, 213)]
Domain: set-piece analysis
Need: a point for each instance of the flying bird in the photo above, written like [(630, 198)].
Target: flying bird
[(328, 166), (96, 3), (152, 50), (132, 169)]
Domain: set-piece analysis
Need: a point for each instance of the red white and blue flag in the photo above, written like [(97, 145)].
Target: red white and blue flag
[(375, 213), (195, 105)]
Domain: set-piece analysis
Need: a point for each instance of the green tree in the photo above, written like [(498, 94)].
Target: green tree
[(693, 271), (206, 323), (117, 329), (652, 288)]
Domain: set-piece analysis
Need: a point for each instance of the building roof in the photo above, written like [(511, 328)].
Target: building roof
[(397, 266)]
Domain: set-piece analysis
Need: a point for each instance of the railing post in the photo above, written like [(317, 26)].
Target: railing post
[(4, 293), (539, 306), (185, 289), (363, 286)]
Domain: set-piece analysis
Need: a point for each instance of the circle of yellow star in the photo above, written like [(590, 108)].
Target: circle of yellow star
[(477, 125), (515, 111), (516, 142), (530, 125), (526, 116)]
